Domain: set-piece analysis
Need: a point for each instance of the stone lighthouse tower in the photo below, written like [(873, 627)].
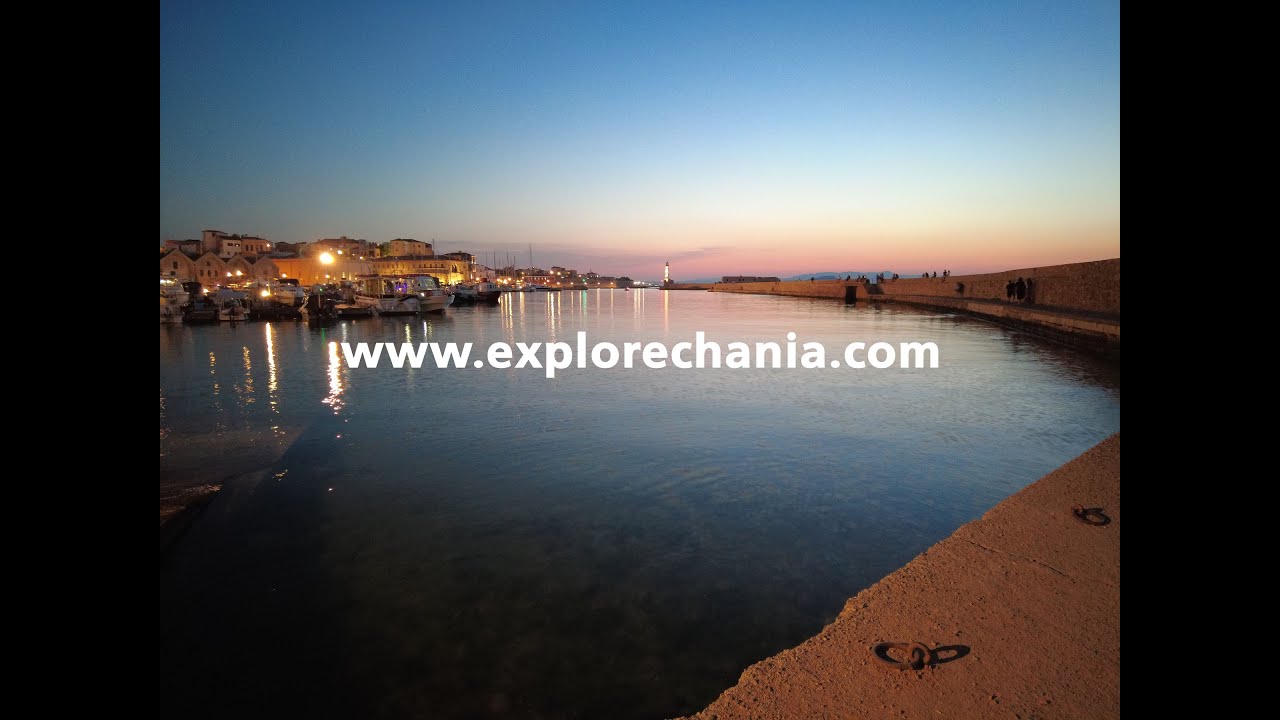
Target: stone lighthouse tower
[(666, 275)]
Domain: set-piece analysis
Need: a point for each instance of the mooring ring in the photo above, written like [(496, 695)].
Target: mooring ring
[(918, 654), (1090, 516)]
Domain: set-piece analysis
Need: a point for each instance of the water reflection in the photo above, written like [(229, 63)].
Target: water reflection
[(333, 399), (613, 544), (553, 314), (248, 377), (273, 378)]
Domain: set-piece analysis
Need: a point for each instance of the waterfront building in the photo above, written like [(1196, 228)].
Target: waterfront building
[(322, 268), (177, 264), (408, 247), (210, 270), (344, 246), (228, 246), (448, 272)]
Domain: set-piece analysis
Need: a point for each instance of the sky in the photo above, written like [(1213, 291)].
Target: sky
[(729, 138)]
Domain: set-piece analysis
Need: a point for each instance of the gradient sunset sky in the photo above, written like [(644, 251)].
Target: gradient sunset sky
[(736, 137)]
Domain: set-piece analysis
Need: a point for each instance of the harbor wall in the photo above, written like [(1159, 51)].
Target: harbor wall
[(1020, 611), (1077, 303), (1092, 287), (836, 289)]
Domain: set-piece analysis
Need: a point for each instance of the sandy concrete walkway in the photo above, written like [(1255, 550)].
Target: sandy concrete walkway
[(1027, 598)]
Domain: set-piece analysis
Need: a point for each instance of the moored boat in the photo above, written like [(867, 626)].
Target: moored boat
[(231, 305), (288, 291), (487, 292), (387, 296), (172, 297), (266, 301), (320, 309), (200, 308), (431, 296), (464, 294)]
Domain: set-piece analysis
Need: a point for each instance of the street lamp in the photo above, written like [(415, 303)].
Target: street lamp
[(326, 258)]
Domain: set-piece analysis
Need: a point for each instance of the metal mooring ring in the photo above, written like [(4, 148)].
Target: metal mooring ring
[(1090, 516), (918, 655)]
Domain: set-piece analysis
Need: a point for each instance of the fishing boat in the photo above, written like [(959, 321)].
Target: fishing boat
[(487, 292), (231, 305), (200, 308)]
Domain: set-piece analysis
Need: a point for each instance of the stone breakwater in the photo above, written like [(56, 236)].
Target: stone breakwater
[(1021, 610), (1078, 303)]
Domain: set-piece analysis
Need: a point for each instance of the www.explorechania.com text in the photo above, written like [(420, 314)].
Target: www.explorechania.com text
[(700, 353)]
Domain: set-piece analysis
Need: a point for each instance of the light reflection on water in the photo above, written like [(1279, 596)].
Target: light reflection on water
[(459, 543)]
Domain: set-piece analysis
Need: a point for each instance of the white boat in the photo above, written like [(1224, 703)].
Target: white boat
[(287, 291), (172, 297), (387, 296), (431, 296), (231, 305)]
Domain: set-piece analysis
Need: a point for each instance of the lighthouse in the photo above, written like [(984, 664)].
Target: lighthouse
[(666, 274)]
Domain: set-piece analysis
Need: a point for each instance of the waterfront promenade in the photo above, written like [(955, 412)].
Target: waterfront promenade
[(1025, 602)]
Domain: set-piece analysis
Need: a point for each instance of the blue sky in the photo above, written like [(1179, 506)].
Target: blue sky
[(771, 138)]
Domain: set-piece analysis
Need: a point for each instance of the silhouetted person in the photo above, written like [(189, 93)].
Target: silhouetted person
[(1030, 294), (1020, 289), (1008, 291), (935, 273)]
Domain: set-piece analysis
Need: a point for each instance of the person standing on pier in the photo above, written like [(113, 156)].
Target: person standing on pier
[(1008, 291), (1020, 289)]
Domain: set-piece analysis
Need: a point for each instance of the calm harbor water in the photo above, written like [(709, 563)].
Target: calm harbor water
[(608, 543)]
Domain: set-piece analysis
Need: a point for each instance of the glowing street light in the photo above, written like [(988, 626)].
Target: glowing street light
[(326, 259)]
